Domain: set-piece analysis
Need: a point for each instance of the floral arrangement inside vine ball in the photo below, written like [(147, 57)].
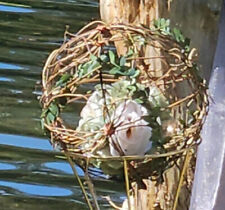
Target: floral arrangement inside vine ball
[(130, 114), (128, 110), (120, 110)]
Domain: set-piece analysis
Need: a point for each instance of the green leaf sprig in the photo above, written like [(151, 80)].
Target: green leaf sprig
[(119, 66), (63, 80), (89, 67), (49, 114), (163, 26)]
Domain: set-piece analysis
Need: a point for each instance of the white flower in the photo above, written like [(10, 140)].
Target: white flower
[(92, 109), (130, 133), (133, 134), (91, 114)]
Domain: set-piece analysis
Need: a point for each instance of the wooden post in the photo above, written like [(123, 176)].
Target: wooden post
[(143, 12), (130, 11), (140, 12)]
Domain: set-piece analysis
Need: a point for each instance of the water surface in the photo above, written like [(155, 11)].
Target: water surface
[(32, 176)]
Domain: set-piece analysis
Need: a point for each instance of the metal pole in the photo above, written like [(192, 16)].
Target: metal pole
[(209, 184)]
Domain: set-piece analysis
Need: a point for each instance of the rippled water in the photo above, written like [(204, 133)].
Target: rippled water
[(32, 175)]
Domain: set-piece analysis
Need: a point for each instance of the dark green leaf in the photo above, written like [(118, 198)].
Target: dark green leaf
[(63, 79), (93, 57), (83, 69), (53, 108), (43, 113), (163, 25), (130, 53), (136, 73), (42, 123), (50, 118), (132, 88), (112, 57), (88, 67), (157, 23), (122, 61), (115, 70), (131, 72), (104, 58), (139, 101), (162, 22), (93, 66), (178, 35), (187, 48)]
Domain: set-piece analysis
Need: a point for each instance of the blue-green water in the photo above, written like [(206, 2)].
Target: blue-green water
[(31, 174)]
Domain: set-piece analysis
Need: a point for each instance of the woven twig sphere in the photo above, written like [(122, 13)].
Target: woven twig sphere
[(101, 56)]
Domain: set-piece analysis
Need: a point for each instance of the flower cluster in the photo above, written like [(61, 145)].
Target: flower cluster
[(129, 133)]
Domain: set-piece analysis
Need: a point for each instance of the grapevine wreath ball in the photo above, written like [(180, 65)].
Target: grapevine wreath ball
[(133, 105)]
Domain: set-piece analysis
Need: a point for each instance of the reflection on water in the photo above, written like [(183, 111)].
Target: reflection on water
[(37, 190), (15, 9), (61, 167), (29, 169), (26, 40), (7, 66), (6, 166), (26, 142), (32, 176)]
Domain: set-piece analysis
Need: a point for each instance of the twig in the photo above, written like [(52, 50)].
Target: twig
[(79, 180), (91, 187), (185, 165), (127, 182)]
